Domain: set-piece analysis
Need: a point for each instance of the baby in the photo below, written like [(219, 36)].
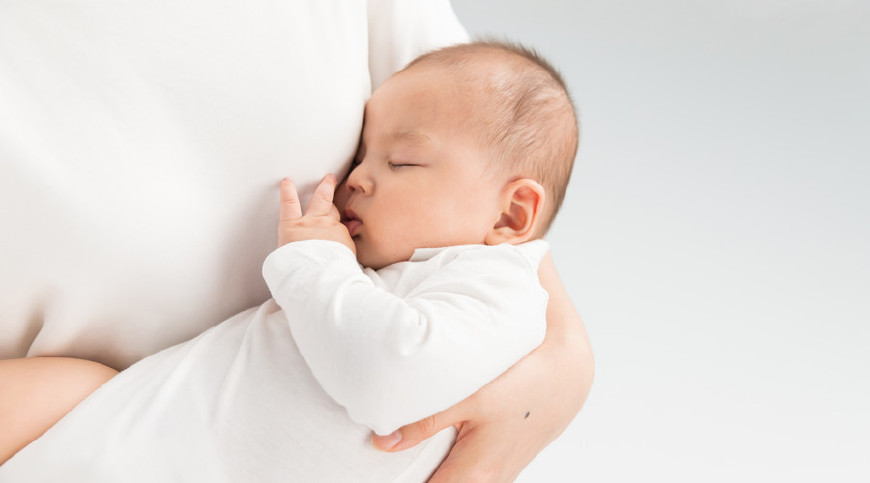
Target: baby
[(462, 165)]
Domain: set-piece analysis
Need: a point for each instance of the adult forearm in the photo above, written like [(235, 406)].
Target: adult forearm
[(566, 336)]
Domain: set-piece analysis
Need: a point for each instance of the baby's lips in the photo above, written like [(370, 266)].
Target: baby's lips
[(352, 226), (351, 221), (347, 215)]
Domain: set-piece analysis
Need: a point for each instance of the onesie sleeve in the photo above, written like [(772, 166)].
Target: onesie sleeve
[(391, 360)]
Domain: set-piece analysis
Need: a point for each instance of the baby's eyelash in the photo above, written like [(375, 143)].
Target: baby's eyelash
[(393, 165)]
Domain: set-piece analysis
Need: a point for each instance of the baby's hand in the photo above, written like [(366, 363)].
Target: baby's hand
[(321, 220)]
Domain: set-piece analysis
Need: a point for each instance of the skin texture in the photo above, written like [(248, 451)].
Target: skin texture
[(37, 392)]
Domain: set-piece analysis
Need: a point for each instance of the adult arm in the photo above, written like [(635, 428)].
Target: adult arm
[(496, 439)]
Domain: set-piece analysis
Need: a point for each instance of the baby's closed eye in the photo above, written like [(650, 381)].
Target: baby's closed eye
[(401, 165)]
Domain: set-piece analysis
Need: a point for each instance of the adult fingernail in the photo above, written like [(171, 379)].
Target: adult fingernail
[(388, 442)]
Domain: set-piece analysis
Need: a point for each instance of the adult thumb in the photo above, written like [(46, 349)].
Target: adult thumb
[(413, 434)]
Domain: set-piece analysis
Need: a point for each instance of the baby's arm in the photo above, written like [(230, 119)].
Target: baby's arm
[(37, 392), (391, 359)]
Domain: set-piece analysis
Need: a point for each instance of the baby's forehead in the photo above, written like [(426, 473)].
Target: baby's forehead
[(470, 101), (482, 76)]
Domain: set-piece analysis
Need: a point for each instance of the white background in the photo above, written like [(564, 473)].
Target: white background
[(715, 235)]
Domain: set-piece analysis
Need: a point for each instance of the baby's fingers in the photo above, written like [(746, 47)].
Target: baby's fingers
[(291, 209), (321, 200)]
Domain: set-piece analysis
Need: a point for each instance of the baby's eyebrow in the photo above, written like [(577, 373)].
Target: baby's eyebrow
[(413, 136)]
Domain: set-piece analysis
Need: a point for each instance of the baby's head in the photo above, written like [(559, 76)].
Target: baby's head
[(471, 144)]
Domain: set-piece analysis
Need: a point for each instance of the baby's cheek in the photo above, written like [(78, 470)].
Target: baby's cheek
[(403, 246)]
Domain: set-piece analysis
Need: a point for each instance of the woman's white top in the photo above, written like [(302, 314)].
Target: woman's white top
[(141, 147)]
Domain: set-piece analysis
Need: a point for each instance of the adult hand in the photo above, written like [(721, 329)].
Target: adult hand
[(504, 425), (321, 220)]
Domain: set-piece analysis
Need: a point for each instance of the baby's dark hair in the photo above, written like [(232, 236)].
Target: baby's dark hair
[(532, 128)]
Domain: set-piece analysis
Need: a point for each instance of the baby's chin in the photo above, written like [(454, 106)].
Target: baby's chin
[(374, 260)]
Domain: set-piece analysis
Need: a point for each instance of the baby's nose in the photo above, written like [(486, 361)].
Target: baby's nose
[(359, 181)]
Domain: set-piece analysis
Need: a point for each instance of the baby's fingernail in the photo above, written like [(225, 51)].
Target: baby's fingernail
[(388, 442)]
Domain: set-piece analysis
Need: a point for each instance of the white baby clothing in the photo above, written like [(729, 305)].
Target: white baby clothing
[(399, 344), (291, 395)]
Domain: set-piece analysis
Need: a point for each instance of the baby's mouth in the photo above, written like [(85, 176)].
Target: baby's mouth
[(351, 221)]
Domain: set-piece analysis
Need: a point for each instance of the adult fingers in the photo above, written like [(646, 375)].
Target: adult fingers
[(291, 208), (415, 433), (321, 200)]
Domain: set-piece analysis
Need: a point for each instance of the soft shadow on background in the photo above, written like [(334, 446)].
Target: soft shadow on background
[(716, 235)]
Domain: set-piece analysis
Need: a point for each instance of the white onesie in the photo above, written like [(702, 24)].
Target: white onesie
[(291, 395)]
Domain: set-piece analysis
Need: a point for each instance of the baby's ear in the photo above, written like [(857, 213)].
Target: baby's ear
[(522, 204)]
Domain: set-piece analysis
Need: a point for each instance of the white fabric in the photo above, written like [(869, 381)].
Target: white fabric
[(416, 337), (141, 146), (239, 403)]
